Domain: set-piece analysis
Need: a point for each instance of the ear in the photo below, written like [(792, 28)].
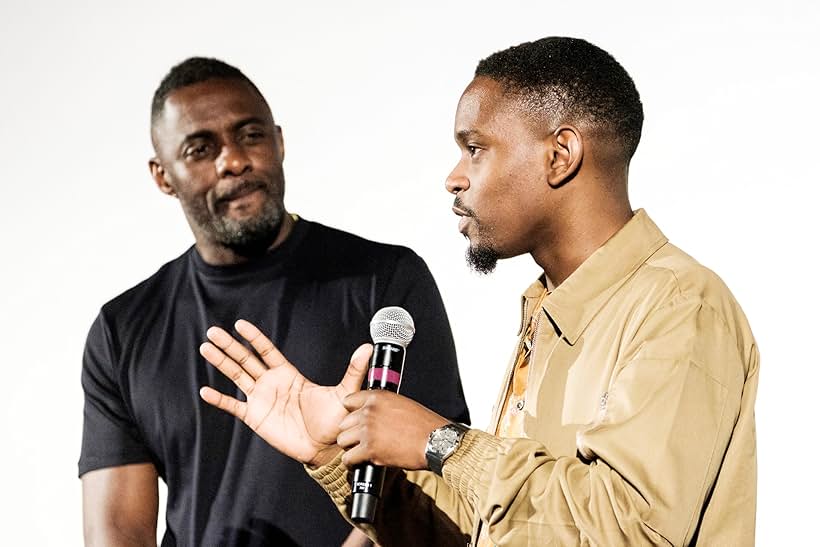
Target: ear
[(565, 155), (160, 178), (280, 143)]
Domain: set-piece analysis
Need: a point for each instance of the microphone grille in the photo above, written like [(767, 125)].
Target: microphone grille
[(392, 325)]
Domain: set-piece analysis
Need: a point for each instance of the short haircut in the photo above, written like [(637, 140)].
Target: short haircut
[(193, 71), (569, 80)]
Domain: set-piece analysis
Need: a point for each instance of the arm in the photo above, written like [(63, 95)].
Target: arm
[(120, 506), (417, 507), (118, 482), (644, 469)]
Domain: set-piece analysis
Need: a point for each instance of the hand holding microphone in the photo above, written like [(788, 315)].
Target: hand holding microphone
[(384, 428), (391, 329)]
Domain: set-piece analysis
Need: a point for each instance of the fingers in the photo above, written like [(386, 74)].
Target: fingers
[(350, 440), (227, 366), (358, 454), (351, 421), (354, 426), (236, 351), (356, 370), (355, 401), (261, 343), (224, 402), (348, 437), (387, 429)]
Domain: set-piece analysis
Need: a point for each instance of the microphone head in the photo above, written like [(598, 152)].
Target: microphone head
[(392, 325)]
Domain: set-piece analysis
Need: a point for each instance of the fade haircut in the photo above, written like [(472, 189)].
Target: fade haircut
[(568, 80), (193, 71)]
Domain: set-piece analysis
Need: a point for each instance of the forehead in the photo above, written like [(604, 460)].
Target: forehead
[(210, 105), (487, 109)]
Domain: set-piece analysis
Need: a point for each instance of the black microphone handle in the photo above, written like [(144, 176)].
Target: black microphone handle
[(386, 367)]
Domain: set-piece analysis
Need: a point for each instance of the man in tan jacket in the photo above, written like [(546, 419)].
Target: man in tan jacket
[(627, 415)]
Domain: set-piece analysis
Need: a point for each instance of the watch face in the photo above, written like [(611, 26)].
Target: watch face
[(444, 440)]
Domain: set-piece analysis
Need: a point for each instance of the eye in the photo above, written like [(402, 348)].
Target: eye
[(472, 150), (252, 136), (198, 151)]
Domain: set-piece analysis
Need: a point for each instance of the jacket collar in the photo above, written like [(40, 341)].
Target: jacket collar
[(576, 301)]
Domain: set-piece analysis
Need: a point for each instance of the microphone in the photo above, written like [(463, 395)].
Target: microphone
[(391, 329)]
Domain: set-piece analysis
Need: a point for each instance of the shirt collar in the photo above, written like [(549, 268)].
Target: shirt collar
[(574, 303)]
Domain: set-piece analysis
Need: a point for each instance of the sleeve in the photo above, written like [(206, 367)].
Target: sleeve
[(431, 374), (418, 508), (645, 467), (110, 436)]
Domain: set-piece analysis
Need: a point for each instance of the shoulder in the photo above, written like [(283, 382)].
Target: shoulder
[(670, 275), (326, 243), (675, 290), (137, 300), (328, 235)]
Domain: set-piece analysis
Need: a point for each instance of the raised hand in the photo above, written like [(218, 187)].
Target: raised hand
[(294, 415)]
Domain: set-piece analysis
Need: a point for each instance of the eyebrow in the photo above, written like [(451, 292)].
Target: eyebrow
[(465, 135), (207, 133), (202, 134), (248, 121)]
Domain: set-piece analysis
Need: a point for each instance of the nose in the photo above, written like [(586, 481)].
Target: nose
[(457, 181), (233, 160)]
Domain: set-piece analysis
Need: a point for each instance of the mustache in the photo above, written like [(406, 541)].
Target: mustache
[(244, 186), (458, 204)]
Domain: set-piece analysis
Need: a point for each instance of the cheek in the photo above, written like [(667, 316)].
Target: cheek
[(265, 159), (513, 196), (192, 193), (195, 178)]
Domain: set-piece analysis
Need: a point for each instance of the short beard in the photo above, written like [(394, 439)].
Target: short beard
[(482, 258), (251, 237)]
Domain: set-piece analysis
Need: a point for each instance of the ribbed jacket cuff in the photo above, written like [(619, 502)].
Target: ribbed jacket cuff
[(472, 460), (332, 477)]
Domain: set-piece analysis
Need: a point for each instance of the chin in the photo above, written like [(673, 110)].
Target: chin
[(482, 258)]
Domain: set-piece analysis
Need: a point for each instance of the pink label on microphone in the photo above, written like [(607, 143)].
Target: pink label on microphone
[(377, 374)]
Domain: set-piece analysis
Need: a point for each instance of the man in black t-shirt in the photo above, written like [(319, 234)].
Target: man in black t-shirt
[(311, 288)]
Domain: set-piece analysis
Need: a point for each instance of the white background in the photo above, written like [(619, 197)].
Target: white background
[(366, 95)]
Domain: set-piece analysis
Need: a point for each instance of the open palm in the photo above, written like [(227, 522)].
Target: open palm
[(292, 414)]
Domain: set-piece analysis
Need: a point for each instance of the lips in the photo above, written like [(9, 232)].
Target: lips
[(464, 213), (460, 212), (241, 190), (460, 209)]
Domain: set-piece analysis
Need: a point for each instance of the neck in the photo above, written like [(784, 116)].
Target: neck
[(579, 237), (217, 254)]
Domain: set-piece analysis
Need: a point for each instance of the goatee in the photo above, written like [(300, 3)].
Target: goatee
[(482, 259)]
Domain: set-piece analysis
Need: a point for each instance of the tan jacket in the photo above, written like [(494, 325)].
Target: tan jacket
[(639, 419)]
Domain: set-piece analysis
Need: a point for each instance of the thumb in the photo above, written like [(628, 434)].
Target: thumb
[(356, 370)]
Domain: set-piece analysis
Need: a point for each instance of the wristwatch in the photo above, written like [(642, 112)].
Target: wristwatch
[(442, 443)]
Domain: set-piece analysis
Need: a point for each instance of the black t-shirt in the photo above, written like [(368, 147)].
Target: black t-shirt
[(314, 295)]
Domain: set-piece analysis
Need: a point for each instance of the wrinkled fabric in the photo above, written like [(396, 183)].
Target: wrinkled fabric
[(639, 418)]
